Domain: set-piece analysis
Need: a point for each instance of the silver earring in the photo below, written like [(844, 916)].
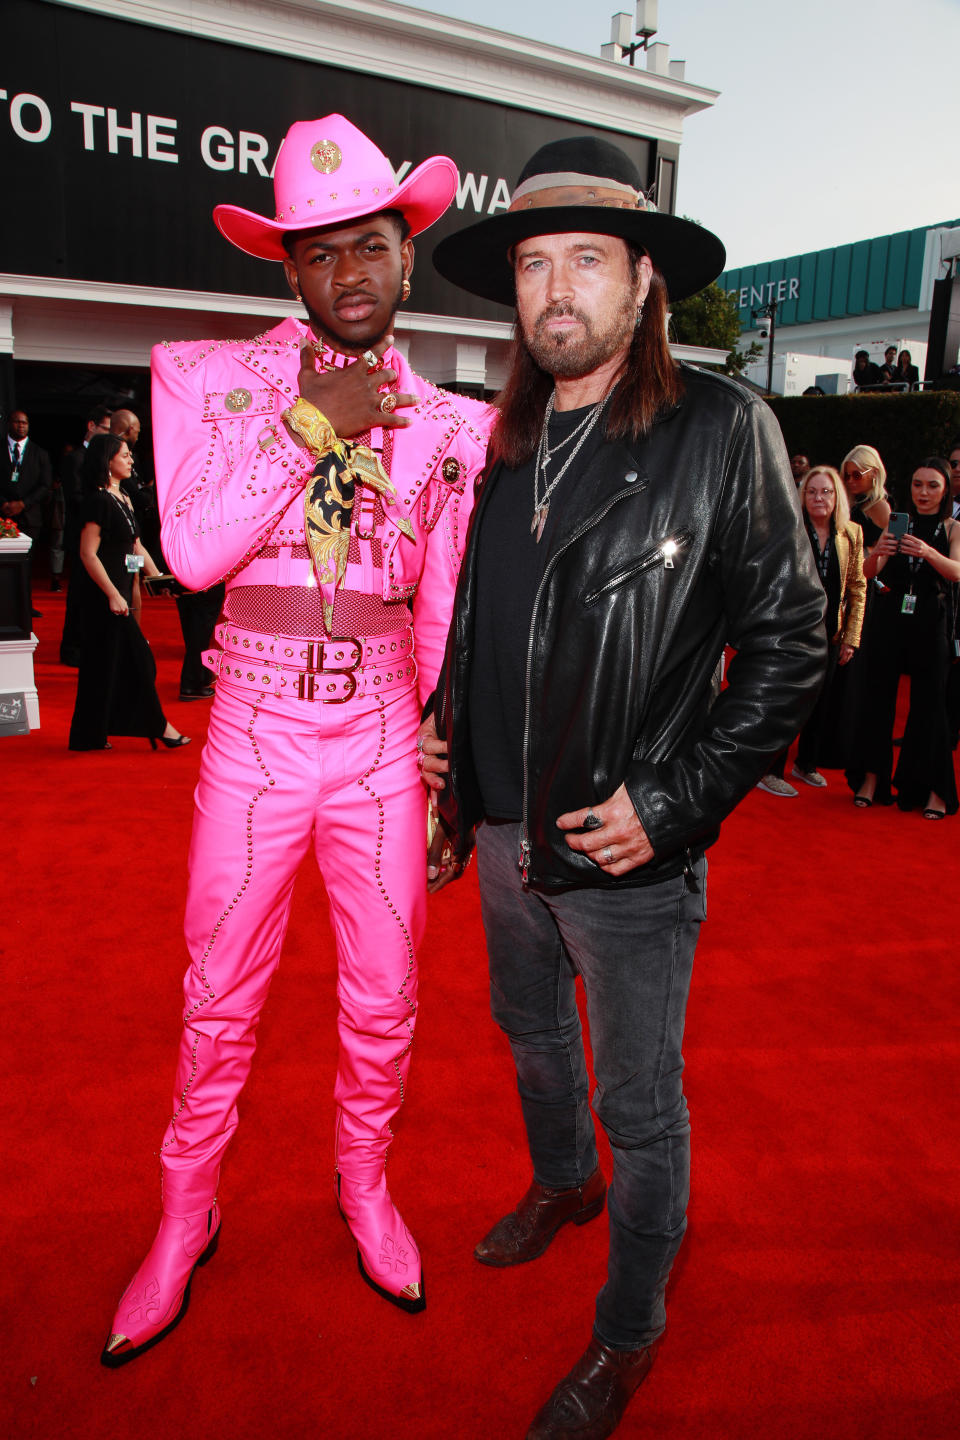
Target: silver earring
[(639, 315)]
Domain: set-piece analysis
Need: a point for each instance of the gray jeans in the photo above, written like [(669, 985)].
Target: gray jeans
[(634, 952)]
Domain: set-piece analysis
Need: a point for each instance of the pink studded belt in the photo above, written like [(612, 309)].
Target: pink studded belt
[(329, 671)]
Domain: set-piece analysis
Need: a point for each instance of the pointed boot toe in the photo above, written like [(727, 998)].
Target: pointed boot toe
[(158, 1296), (387, 1254)]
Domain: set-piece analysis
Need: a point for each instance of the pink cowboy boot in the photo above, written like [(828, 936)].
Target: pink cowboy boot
[(158, 1295), (387, 1253)]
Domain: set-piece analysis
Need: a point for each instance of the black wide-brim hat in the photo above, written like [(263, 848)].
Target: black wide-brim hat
[(582, 185)]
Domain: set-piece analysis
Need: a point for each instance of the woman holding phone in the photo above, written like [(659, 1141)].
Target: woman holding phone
[(865, 479), (918, 559)]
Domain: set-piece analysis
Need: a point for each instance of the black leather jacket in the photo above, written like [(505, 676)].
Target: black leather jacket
[(667, 550)]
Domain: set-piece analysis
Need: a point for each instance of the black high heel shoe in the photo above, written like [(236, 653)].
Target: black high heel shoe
[(170, 744)]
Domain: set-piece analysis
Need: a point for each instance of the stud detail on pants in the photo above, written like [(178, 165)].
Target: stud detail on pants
[(209, 992), (362, 781)]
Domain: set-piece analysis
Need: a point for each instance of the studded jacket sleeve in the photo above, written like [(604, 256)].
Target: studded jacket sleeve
[(433, 603), (227, 469)]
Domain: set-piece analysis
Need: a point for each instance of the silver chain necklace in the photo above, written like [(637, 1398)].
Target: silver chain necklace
[(541, 501)]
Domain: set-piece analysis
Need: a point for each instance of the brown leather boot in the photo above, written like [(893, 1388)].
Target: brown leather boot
[(527, 1231), (588, 1404)]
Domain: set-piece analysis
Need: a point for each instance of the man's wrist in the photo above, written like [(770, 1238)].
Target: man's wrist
[(312, 426)]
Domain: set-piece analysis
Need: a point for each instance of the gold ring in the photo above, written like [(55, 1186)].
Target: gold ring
[(372, 361), (388, 404)]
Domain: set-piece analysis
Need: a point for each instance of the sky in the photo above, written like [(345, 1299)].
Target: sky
[(838, 120)]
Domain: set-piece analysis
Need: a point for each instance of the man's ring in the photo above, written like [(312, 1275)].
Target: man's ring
[(388, 404), (591, 821), (607, 855), (372, 360), (419, 744)]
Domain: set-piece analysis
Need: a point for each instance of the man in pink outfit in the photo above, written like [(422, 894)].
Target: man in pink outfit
[(330, 487)]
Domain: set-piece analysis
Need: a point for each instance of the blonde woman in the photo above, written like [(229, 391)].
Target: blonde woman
[(837, 545), (865, 481), (911, 634)]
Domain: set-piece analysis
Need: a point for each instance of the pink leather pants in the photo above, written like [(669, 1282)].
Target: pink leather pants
[(274, 776)]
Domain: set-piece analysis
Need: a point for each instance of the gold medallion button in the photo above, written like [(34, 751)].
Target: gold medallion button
[(238, 400), (450, 470), (326, 157)]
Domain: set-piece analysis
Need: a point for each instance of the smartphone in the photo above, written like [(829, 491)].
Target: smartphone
[(898, 524)]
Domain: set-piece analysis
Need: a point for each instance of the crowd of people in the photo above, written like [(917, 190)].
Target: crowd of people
[(892, 581), (628, 516), (104, 556), (891, 602), (897, 373)]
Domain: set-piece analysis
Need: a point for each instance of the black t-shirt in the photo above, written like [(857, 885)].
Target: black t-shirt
[(510, 567)]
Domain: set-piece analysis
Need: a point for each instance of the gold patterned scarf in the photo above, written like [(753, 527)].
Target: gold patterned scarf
[(329, 499)]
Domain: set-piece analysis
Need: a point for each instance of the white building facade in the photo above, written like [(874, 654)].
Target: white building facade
[(123, 122)]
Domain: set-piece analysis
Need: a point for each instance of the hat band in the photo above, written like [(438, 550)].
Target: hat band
[(570, 188), (306, 206)]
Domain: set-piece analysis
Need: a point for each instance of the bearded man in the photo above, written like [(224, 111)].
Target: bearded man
[(638, 516), (287, 467)]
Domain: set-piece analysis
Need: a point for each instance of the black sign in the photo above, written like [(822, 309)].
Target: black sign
[(13, 713), (117, 140)]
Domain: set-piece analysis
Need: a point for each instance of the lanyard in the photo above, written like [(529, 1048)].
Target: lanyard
[(822, 557)]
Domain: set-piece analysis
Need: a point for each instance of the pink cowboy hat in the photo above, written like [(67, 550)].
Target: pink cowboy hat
[(328, 173)]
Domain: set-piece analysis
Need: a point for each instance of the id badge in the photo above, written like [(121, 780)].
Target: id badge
[(134, 563), (909, 605)]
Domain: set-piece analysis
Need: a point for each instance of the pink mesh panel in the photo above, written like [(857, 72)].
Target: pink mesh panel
[(297, 611)]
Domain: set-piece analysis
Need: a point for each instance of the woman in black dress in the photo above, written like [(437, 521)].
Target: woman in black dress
[(909, 634), (864, 479), (116, 689)]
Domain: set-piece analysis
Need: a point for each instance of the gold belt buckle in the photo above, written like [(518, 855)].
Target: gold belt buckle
[(319, 652), (343, 640), (342, 699), (307, 684)]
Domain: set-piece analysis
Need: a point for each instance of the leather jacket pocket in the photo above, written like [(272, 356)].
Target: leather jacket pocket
[(662, 554)]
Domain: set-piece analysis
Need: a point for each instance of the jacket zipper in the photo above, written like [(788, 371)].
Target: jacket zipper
[(523, 859), (664, 552)]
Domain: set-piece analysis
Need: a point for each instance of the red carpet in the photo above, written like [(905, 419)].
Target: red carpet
[(816, 1297)]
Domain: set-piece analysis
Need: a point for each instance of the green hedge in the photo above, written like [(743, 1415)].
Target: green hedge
[(903, 428)]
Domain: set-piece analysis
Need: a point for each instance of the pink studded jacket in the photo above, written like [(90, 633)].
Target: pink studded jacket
[(230, 480)]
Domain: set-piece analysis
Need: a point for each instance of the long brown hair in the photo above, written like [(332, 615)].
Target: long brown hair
[(648, 385)]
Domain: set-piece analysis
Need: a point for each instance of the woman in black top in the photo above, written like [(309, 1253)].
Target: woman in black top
[(116, 689), (909, 634), (864, 479), (906, 372)]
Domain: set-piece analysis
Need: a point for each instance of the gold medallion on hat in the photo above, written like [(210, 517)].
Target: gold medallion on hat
[(238, 400), (326, 157)]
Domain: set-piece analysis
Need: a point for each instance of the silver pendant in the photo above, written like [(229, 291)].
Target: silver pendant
[(539, 520)]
